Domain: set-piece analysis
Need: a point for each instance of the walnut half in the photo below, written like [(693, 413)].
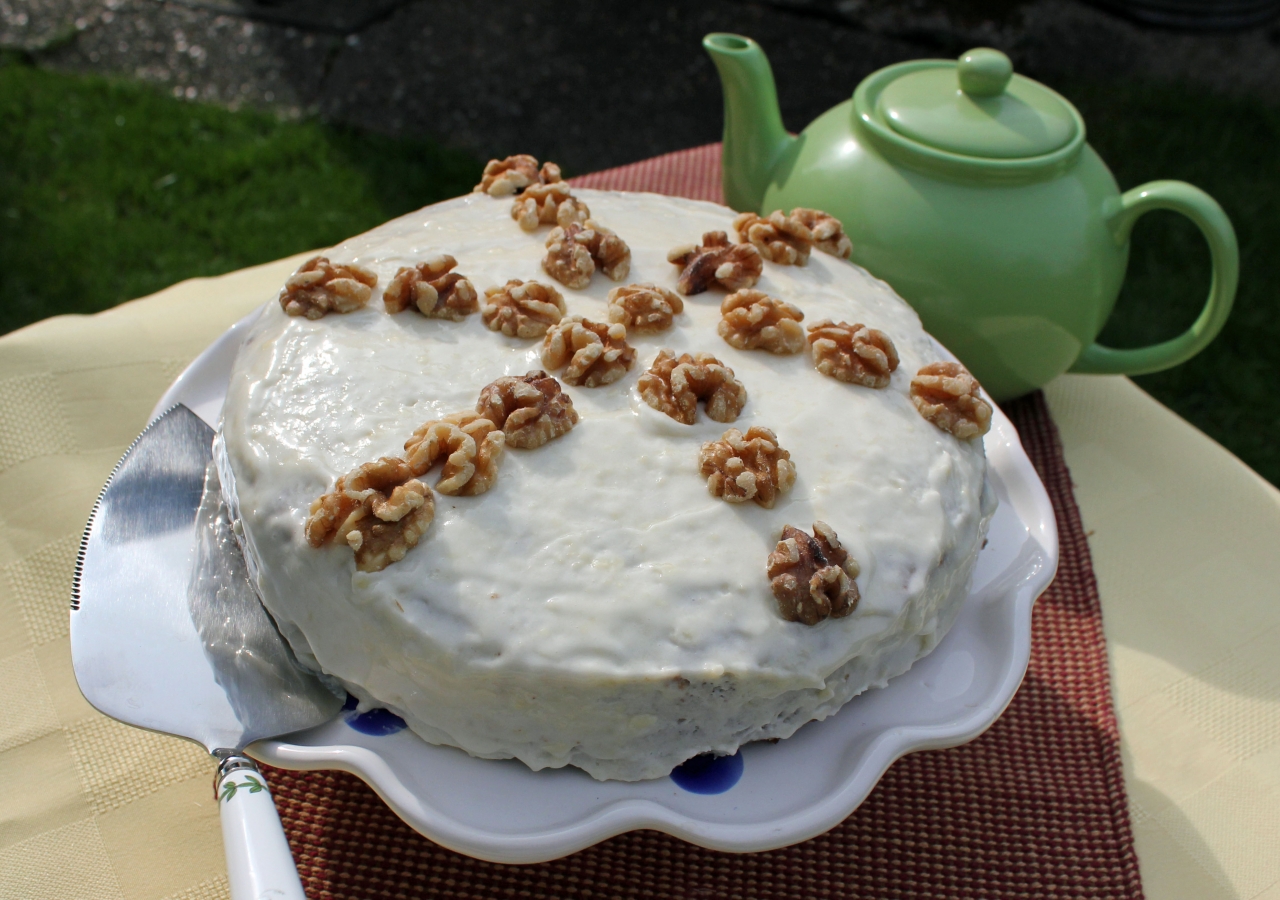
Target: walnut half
[(674, 385), (949, 397), (378, 509), (504, 177), (433, 289), (742, 467), (781, 239), (522, 309), (644, 308), (320, 287), (716, 262), (753, 320), (813, 577), (471, 447), (531, 409), (854, 354), (827, 231), (576, 249), (595, 354), (548, 204)]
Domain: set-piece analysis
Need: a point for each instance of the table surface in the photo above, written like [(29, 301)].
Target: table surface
[(1184, 540)]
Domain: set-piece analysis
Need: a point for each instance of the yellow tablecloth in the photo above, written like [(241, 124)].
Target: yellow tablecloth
[(1185, 540)]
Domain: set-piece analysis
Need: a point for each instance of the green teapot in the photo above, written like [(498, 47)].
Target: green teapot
[(972, 192)]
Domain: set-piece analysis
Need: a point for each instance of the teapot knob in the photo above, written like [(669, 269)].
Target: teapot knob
[(984, 72)]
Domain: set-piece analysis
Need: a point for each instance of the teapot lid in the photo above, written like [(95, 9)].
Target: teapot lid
[(970, 120), (977, 107)]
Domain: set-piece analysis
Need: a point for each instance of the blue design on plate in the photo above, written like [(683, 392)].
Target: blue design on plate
[(377, 722), (708, 774)]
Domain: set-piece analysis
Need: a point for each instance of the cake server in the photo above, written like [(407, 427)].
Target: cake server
[(167, 634)]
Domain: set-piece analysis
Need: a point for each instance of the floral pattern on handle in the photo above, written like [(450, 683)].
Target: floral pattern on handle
[(229, 787)]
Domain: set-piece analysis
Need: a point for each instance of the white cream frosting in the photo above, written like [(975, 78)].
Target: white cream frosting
[(597, 607)]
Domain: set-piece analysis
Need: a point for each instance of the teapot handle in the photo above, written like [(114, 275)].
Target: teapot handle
[(1224, 254)]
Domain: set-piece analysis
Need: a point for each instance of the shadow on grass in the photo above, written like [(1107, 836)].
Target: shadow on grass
[(110, 190)]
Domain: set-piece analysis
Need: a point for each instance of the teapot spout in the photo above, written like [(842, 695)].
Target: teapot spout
[(754, 138)]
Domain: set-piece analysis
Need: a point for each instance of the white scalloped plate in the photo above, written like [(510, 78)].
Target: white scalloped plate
[(769, 795)]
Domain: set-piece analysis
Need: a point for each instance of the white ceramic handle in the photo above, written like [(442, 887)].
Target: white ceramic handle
[(259, 863)]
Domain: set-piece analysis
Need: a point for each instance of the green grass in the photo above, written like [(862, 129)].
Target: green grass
[(110, 190)]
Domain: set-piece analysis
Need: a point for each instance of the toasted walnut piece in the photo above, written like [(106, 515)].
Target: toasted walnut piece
[(471, 447), (568, 261), (781, 239), (610, 252), (522, 309), (433, 290), (644, 308), (675, 385), (742, 467), (378, 509), (752, 320), (504, 177), (852, 353), (548, 204), (574, 250), (572, 211), (812, 577), (949, 397), (321, 287), (747, 467), (827, 232), (595, 354), (730, 266), (531, 409)]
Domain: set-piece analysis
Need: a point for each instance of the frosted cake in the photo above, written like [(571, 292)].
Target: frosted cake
[(671, 493)]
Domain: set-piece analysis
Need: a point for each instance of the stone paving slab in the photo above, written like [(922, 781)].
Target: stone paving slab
[(590, 84)]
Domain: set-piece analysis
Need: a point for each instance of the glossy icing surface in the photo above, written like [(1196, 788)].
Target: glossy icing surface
[(597, 606)]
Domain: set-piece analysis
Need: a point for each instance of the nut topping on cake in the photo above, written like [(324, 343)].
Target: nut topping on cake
[(522, 309), (753, 320), (644, 308), (471, 447), (675, 385), (433, 290), (504, 177), (320, 287), (548, 204), (378, 509), (948, 396), (828, 234), (531, 409), (730, 266), (574, 250), (747, 467), (595, 354), (781, 239), (610, 252), (852, 353), (813, 577), (569, 261)]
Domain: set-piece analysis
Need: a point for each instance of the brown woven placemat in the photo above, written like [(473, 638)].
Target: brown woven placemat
[(1034, 808)]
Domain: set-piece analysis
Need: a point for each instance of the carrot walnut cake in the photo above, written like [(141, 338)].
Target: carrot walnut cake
[(602, 479)]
